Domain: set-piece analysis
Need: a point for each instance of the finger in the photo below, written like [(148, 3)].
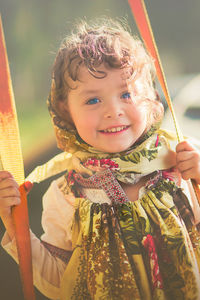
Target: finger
[(8, 183), (185, 165), (9, 201), (184, 146), (188, 174), (10, 192), (188, 155), (193, 158), (184, 155), (5, 174)]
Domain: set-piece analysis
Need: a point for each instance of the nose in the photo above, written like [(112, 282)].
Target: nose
[(113, 110)]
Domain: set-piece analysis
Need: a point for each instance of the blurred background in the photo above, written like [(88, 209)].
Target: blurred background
[(33, 32)]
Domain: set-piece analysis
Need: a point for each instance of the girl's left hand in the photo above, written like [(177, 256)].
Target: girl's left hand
[(188, 161)]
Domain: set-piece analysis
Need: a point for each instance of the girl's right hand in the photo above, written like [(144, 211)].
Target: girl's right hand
[(9, 193)]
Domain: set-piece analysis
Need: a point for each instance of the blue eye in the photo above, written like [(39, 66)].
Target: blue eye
[(126, 96), (93, 101)]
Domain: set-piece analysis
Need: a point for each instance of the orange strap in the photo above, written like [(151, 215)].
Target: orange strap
[(20, 217), (11, 158), (142, 20)]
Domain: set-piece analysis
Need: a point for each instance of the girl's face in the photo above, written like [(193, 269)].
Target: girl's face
[(107, 112)]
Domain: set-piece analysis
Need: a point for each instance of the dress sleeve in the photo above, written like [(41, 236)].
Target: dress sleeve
[(58, 211), (51, 253)]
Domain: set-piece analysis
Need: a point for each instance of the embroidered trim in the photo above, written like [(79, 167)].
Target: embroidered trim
[(64, 255), (104, 180)]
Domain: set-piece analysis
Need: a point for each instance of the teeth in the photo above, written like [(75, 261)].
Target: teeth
[(115, 129)]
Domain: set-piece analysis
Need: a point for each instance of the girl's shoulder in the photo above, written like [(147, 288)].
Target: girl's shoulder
[(58, 193)]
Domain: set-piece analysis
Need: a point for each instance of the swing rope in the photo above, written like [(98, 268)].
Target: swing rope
[(143, 23), (11, 160)]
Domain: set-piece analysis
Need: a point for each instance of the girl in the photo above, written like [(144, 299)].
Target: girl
[(117, 225)]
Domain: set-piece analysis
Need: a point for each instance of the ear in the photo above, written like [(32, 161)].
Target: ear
[(63, 107)]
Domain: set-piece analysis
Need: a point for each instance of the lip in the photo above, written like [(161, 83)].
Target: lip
[(126, 127)]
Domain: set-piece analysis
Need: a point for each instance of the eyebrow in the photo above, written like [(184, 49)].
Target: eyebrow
[(124, 85), (91, 92), (88, 92)]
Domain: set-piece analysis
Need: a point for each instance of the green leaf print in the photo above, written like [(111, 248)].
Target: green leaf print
[(177, 244), (164, 213), (149, 154), (129, 229), (173, 282), (133, 157)]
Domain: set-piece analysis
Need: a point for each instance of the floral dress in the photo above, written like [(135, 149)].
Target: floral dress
[(131, 250), (123, 250)]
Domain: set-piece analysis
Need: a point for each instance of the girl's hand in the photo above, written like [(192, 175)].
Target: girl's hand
[(9, 197), (188, 161), (9, 193)]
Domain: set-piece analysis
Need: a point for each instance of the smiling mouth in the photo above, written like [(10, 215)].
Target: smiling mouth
[(115, 129)]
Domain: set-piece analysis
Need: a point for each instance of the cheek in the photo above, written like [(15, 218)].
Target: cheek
[(86, 124), (138, 113)]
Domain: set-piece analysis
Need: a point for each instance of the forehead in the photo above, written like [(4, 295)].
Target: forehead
[(101, 77)]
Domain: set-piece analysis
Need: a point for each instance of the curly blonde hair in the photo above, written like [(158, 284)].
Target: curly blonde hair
[(103, 41)]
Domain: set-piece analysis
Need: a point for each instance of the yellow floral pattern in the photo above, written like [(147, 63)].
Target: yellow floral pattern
[(132, 250)]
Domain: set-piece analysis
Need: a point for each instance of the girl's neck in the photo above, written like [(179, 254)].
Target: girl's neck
[(132, 190)]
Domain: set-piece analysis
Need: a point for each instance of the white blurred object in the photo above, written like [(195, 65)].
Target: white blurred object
[(187, 109)]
